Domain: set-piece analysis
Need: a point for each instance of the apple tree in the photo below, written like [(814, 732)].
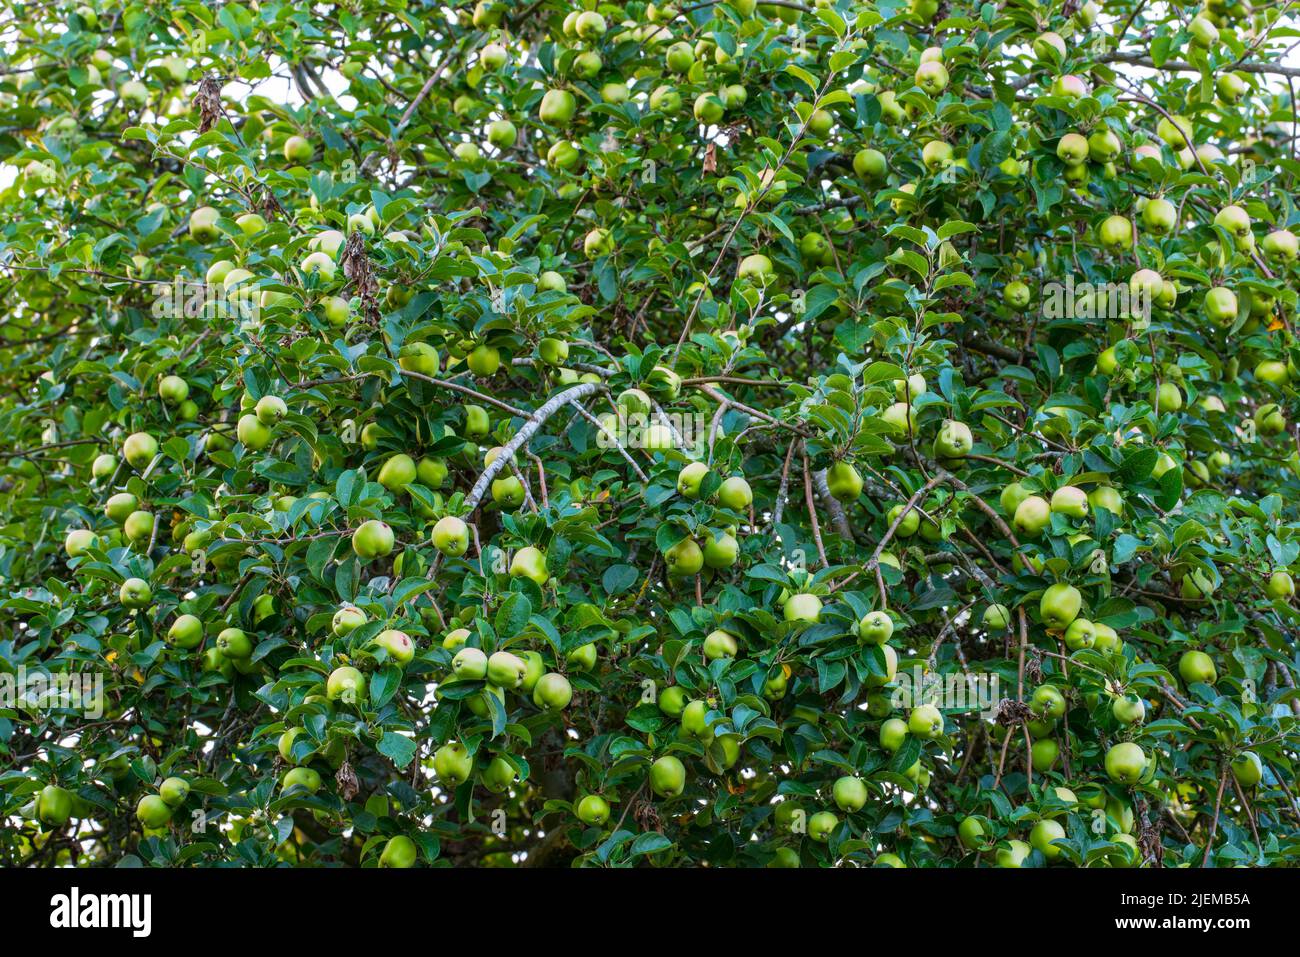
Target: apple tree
[(622, 434)]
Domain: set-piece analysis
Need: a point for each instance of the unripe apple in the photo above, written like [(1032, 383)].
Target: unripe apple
[(906, 526), (398, 852), (298, 149), (1281, 246), (1107, 497), (936, 155), (757, 268), (932, 77), (721, 551), (803, 607), (1168, 397), (892, 734), (506, 670), (174, 791), (185, 632), (1159, 216), (1115, 233), (1221, 305), (139, 450), (822, 825), (234, 644), (119, 506), (1047, 702), (451, 536), (1072, 149), (1013, 855), (502, 134), (54, 805), (347, 620), (252, 433), (558, 107), (469, 664), (850, 793), (680, 57), (1071, 501), (530, 562), (719, 644), (1128, 709), (152, 811), (173, 390), (553, 692), (1081, 633), (1204, 34), (876, 627), (667, 776), (870, 165), (597, 243), (1125, 763), (900, 418), (397, 473), (1281, 586), (1104, 146), (1197, 666), (971, 833), (925, 721), (708, 108), (1049, 47), (79, 541), (398, 645), (734, 493), (453, 763), (373, 539), (690, 477), (203, 224), (1032, 515), (1060, 605), (135, 593), (270, 409), (593, 810), (954, 440), (1247, 769), (1043, 834), (996, 617), (419, 357), (844, 482)]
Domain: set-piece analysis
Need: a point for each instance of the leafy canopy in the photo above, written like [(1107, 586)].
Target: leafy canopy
[(774, 356)]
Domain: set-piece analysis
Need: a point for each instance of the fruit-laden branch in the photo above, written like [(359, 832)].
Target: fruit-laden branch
[(617, 444), (520, 438), (1181, 66)]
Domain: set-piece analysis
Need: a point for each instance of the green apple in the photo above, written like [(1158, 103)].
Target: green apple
[(1247, 769), (397, 473), (553, 692), (506, 670), (1032, 515), (453, 763), (398, 644), (876, 627), (173, 390), (1125, 763), (667, 776), (298, 149), (932, 77), (893, 732), (690, 477), (79, 541), (1043, 834), (304, 778), (735, 494), (822, 825), (139, 450), (850, 793), (870, 165), (1012, 496), (721, 551), (1281, 586), (719, 644), (997, 617), (1115, 233), (593, 810), (451, 536), (1060, 605), (1072, 149), (174, 791), (346, 620), (185, 632), (203, 224), (1047, 701), (233, 643), (925, 721), (1197, 666), (419, 357), (398, 852), (1221, 305), (954, 441), (253, 433), (803, 607), (135, 593), (1128, 709), (469, 664), (1080, 634), (1281, 246), (373, 539), (54, 805), (684, 558), (844, 482), (346, 684), (530, 562), (1013, 855), (152, 811)]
